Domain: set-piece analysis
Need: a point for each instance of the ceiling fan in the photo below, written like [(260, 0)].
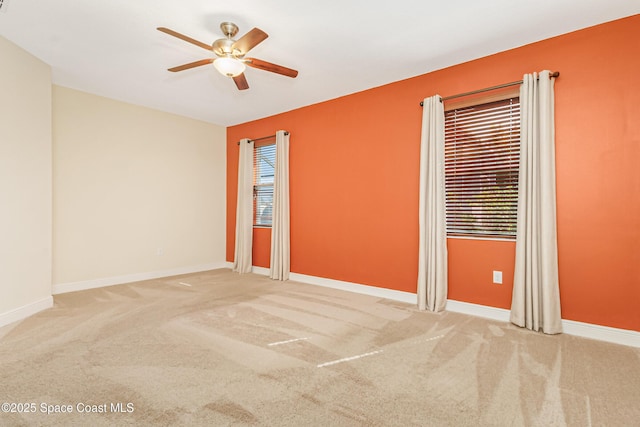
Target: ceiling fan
[(230, 54)]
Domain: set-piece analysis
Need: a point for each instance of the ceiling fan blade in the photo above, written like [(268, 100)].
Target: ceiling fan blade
[(268, 66), (191, 65), (250, 40), (241, 82), (185, 38)]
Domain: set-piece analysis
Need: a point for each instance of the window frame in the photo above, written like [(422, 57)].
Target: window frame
[(496, 96), (257, 185)]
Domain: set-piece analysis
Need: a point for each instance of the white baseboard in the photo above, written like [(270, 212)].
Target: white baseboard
[(62, 288), (25, 311), (390, 294), (570, 327), (385, 293), (260, 270), (254, 269), (493, 313), (601, 333)]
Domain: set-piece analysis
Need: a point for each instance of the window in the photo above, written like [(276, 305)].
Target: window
[(264, 160), (482, 155)]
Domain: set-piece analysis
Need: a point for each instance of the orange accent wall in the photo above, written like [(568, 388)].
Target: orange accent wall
[(354, 179)]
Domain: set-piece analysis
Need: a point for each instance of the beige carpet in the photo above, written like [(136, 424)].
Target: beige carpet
[(218, 349)]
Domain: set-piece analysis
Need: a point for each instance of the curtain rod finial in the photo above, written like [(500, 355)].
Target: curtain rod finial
[(422, 102)]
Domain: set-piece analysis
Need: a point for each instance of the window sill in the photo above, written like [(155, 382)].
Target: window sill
[(497, 239)]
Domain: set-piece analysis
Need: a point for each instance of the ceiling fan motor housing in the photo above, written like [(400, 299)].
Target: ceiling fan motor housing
[(224, 47)]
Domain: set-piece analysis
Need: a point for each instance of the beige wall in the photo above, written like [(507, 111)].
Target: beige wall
[(25, 183), (135, 190)]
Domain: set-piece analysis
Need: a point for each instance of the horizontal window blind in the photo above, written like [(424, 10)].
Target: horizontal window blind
[(482, 156), (264, 160)]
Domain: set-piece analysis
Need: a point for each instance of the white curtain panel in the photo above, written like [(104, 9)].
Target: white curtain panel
[(536, 295), (244, 211), (432, 253), (280, 240)]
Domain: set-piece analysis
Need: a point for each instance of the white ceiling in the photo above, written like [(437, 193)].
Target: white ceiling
[(112, 48)]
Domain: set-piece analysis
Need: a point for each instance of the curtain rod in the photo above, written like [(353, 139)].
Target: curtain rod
[(473, 92), (264, 137)]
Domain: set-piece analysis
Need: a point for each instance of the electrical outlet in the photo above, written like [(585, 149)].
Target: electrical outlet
[(159, 251), (497, 277)]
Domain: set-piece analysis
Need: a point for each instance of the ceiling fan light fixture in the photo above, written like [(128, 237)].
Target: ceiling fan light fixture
[(230, 67)]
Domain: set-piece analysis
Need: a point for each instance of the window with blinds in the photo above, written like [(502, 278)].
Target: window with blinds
[(264, 160), (482, 156)]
